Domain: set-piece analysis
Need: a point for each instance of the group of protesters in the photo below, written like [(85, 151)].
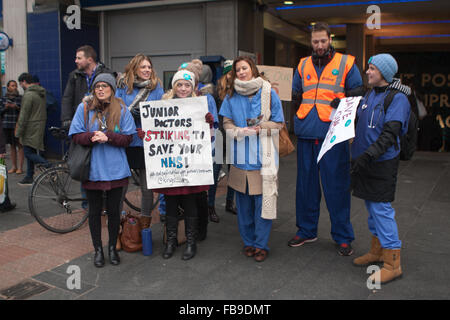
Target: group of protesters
[(102, 109)]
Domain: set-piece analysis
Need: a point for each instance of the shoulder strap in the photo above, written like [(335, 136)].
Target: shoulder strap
[(388, 99), (86, 118)]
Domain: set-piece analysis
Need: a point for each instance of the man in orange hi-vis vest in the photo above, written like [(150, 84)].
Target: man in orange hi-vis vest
[(320, 81)]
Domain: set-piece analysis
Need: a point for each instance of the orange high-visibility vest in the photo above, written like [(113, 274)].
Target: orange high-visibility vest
[(320, 92)]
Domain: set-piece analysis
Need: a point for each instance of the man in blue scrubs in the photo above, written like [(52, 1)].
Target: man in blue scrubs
[(320, 81)]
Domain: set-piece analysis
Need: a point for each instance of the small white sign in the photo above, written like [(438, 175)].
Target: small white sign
[(342, 126)]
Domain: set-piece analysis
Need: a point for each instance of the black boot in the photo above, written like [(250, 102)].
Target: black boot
[(213, 216), (191, 234), (172, 231), (114, 258), (99, 257), (230, 207)]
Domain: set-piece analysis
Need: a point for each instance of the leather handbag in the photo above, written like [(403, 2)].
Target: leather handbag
[(131, 237), (79, 161), (285, 145)]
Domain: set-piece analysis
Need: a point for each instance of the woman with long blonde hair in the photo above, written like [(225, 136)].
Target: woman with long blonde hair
[(139, 83)]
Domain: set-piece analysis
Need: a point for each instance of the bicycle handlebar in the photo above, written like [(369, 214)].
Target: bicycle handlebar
[(58, 133)]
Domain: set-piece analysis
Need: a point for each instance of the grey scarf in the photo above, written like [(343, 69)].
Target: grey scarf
[(142, 95)]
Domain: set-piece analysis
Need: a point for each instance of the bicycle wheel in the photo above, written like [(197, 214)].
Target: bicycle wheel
[(55, 201), (133, 196)]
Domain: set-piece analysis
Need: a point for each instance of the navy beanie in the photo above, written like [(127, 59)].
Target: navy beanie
[(386, 64)]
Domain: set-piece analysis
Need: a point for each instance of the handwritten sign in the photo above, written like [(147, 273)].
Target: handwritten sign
[(281, 80), (342, 126), (177, 143)]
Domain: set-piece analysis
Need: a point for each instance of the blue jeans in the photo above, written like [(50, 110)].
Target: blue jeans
[(33, 157)]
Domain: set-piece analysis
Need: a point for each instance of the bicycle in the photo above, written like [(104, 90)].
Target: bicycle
[(56, 200), (133, 195)]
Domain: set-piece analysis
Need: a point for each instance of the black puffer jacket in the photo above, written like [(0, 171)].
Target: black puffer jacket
[(75, 91)]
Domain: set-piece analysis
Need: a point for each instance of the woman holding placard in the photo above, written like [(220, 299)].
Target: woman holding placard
[(250, 111), (104, 123), (183, 84), (139, 83)]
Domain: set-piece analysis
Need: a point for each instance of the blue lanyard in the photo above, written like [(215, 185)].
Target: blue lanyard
[(89, 80)]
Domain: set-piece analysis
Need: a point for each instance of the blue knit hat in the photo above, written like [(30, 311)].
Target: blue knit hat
[(386, 64)]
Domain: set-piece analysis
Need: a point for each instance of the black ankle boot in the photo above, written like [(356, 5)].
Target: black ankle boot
[(191, 234), (99, 257), (230, 207), (114, 258), (172, 242)]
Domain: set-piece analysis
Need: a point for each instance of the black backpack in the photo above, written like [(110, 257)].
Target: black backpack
[(408, 141)]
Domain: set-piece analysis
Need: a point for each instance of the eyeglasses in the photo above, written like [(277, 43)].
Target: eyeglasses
[(101, 86)]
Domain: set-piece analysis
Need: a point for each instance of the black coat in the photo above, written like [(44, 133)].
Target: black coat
[(377, 182), (76, 89)]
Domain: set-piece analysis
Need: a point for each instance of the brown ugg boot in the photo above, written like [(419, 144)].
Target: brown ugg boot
[(373, 256), (391, 269), (145, 222)]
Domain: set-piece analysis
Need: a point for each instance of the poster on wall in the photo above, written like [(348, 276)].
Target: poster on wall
[(177, 143)]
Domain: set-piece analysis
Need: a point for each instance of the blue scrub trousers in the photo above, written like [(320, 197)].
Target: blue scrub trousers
[(382, 224), (254, 230), (333, 171)]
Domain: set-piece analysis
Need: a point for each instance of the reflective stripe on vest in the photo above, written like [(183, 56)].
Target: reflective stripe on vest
[(321, 92)]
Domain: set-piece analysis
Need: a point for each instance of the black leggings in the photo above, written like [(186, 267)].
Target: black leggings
[(95, 199), (188, 202)]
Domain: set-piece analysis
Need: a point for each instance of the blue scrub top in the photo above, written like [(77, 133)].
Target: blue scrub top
[(155, 94), (108, 162), (240, 108), (371, 119)]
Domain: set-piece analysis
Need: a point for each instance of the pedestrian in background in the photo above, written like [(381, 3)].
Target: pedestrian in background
[(250, 97), (375, 161), (30, 127), (6, 205), (10, 108), (104, 122), (223, 85), (139, 83)]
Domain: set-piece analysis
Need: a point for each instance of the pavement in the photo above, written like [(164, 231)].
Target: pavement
[(36, 264)]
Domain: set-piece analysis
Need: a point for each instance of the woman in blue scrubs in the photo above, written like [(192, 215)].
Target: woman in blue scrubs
[(103, 122), (242, 112), (375, 160), (139, 83)]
